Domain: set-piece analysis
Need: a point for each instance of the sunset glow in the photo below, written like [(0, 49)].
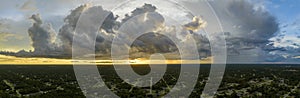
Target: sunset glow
[(46, 61)]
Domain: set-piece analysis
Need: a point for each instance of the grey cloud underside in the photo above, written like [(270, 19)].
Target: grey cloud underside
[(247, 30), (252, 27), (46, 44), (42, 37), (66, 33)]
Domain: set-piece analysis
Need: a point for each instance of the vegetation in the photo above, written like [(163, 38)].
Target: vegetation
[(239, 81)]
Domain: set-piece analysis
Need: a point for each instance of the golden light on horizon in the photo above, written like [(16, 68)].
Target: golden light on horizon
[(11, 60)]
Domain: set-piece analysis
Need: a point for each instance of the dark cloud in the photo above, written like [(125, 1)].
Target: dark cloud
[(203, 45), (138, 11), (257, 26), (153, 43), (248, 31), (42, 36), (144, 19), (66, 33), (141, 20), (287, 54), (256, 23), (270, 47)]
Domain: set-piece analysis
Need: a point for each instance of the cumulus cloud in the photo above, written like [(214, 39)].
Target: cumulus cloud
[(42, 36), (256, 26), (248, 30), (144, 9), (247, 27), (144, 19), (66, 32), (196, 24)]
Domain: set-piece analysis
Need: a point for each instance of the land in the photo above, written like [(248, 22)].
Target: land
[(240, 80)]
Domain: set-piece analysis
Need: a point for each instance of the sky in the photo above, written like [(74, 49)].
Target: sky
[(256, 31)]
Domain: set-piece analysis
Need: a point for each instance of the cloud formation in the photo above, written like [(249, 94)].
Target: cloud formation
[(195, 25), (248, 29), (42, 36), (143, 19), (66, 32), (248, 25)]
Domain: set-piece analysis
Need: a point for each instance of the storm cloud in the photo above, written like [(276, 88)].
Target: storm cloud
[(245, 23), (247, 27), (42, 36), (143, 19), (254, 25), (66, 33)]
